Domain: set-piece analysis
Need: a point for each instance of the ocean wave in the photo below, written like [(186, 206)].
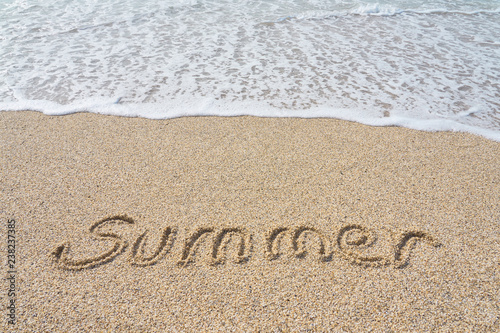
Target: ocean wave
[(123, 57)]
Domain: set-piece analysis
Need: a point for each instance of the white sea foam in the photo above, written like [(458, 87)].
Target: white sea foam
[(210, 107), (429, 65), (375, 9)]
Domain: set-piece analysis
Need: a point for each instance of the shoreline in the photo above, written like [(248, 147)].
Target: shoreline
[(154, 112), (246, 223)]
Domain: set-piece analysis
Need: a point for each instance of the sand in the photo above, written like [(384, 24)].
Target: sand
[(247, 224)]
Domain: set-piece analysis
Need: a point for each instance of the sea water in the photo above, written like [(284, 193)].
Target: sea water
[(423, 64)]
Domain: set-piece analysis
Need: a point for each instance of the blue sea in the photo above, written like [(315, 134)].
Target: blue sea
[(423, 64)]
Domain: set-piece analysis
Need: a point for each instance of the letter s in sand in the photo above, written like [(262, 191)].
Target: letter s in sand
[(60, 254)]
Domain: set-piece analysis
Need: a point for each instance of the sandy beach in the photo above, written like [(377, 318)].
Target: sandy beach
[(246, 224)]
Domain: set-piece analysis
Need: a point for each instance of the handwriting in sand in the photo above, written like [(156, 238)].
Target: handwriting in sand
[(348, 242)]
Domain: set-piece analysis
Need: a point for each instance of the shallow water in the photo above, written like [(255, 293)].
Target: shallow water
[(425, 65)]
